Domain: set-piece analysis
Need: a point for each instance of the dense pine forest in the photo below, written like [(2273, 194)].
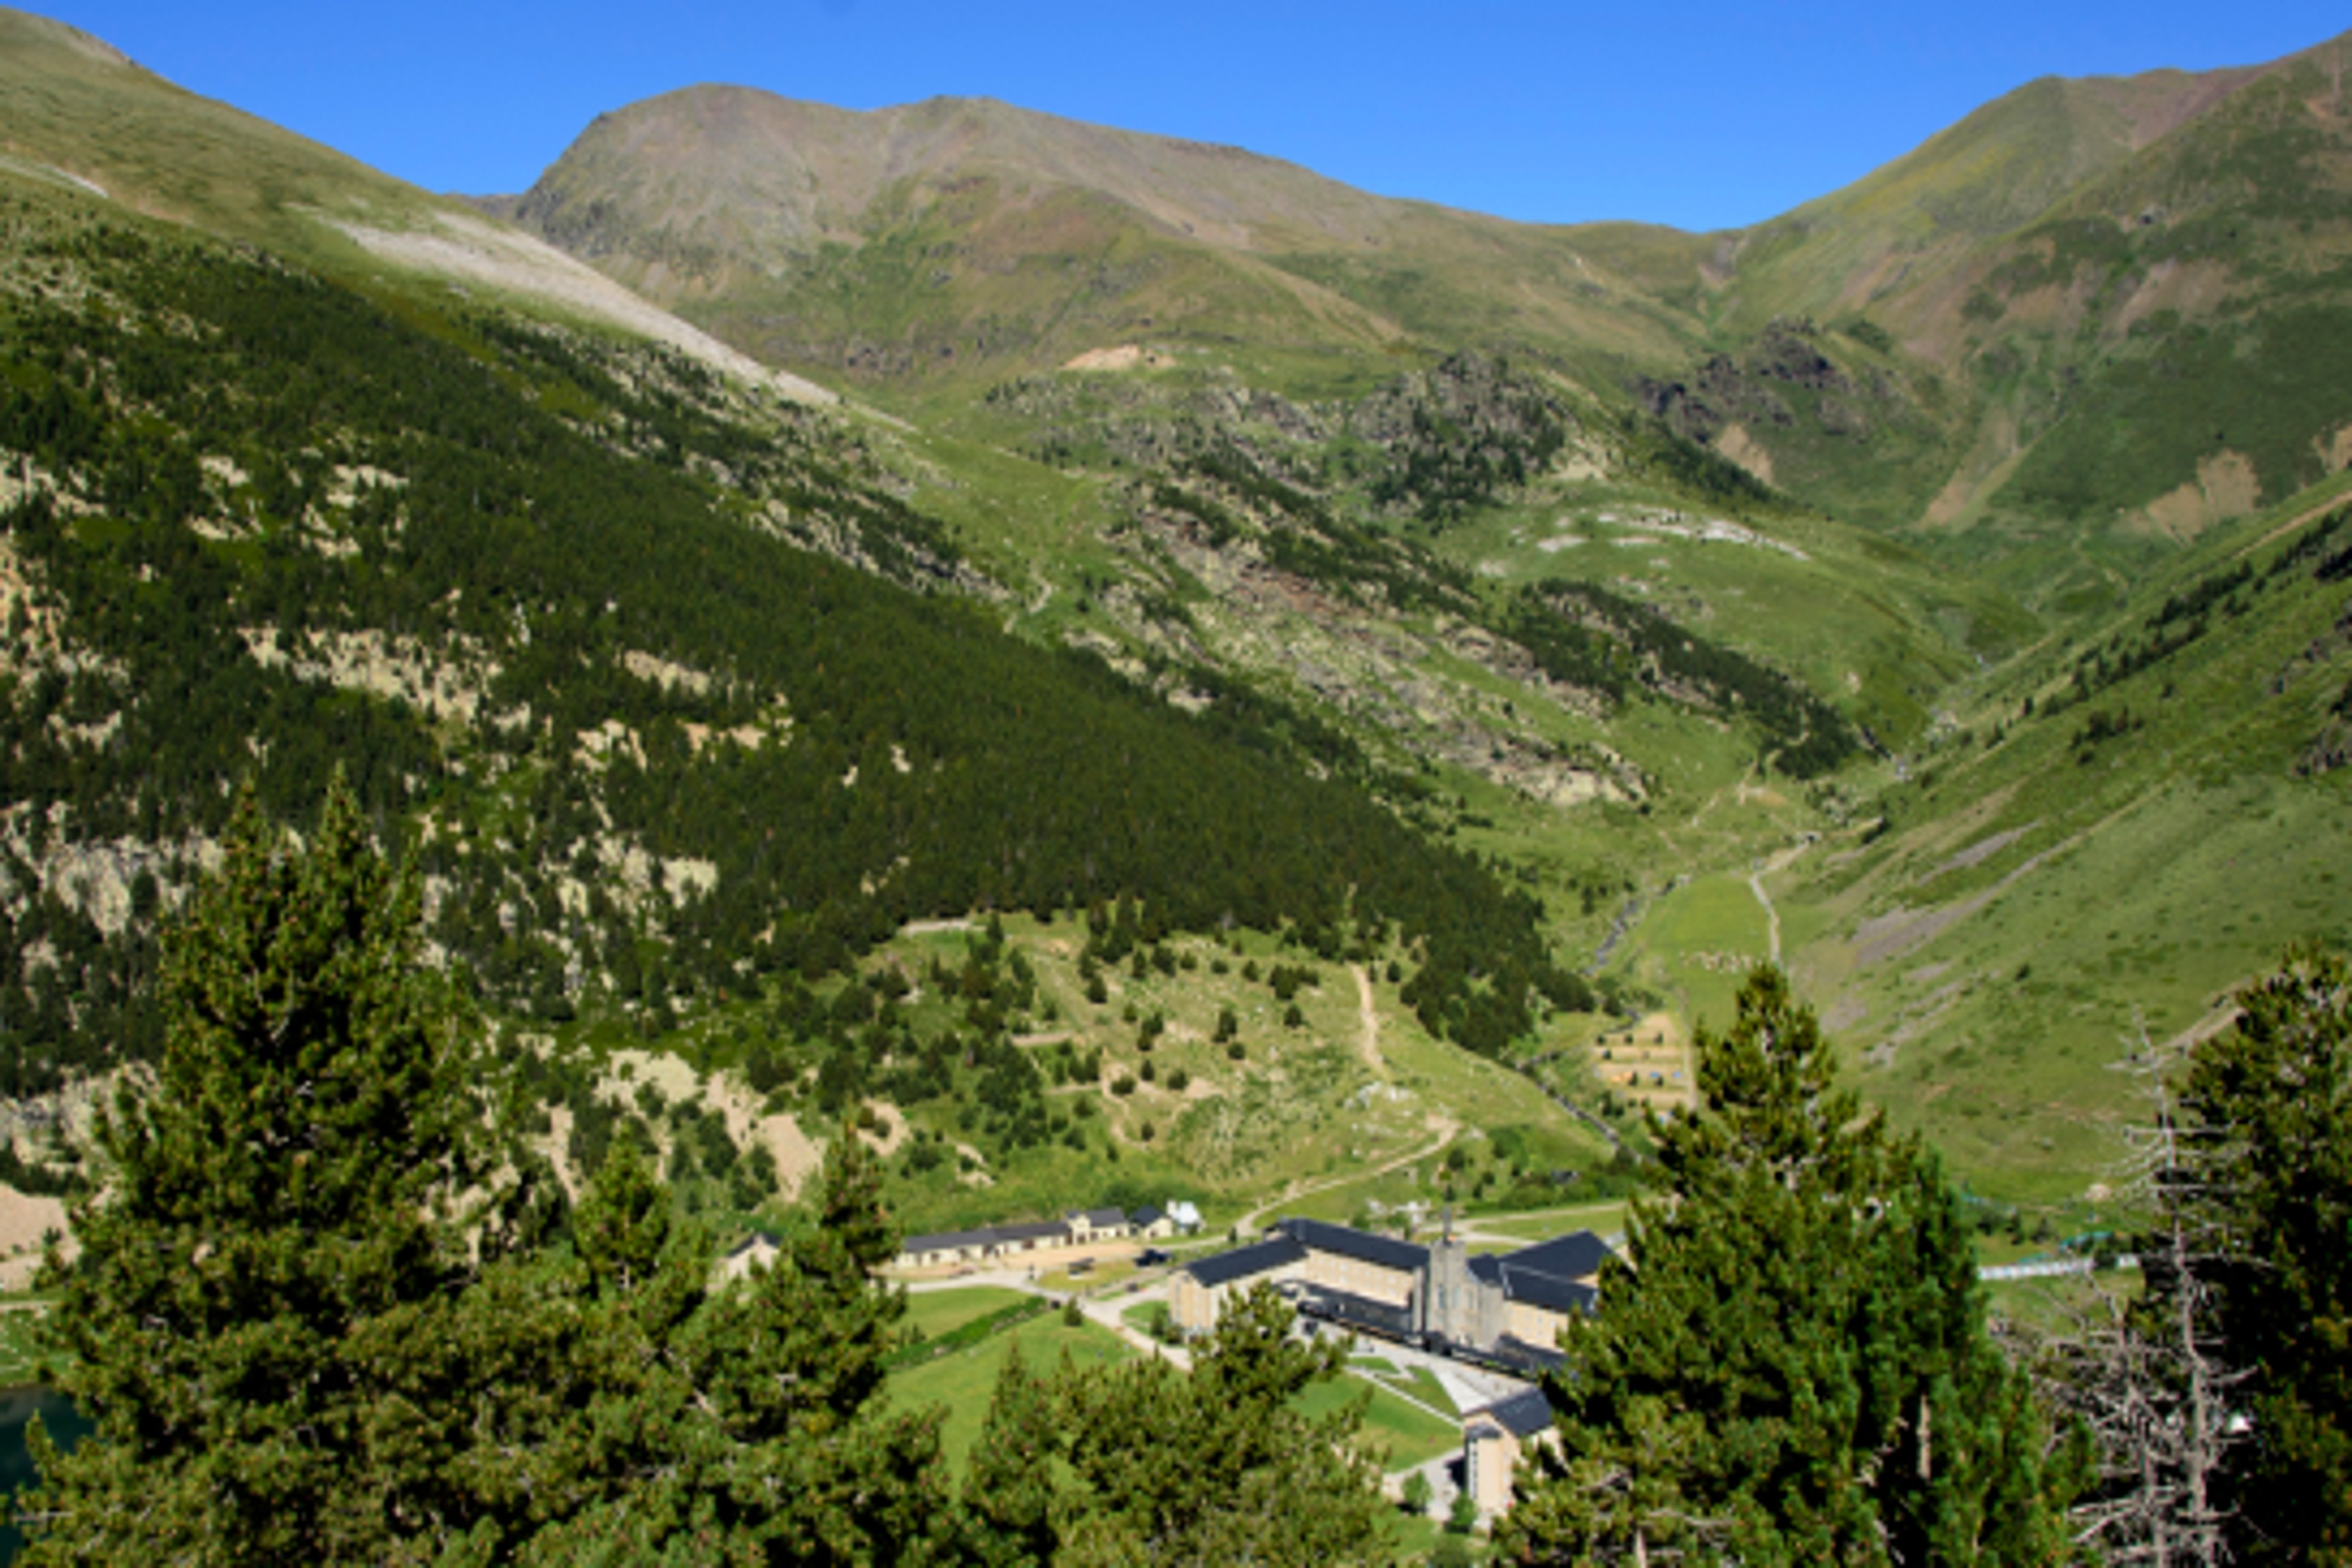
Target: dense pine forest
[(229, 465)]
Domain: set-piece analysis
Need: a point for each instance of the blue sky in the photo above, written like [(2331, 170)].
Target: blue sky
[(1700, 114)]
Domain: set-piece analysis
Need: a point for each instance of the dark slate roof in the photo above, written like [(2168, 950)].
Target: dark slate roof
[(1523, 1415), (1224, 1267), (948, 1240), (1347, 1306), (1146, 1217), (1104, 1219), (1518, 1353), (1548, 1290), (1571, 1257), (1033, 1230), (1361, 1245), (1545, 1275)]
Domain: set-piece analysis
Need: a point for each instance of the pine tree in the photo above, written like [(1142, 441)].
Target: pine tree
[(1010, 1495), (2272, 1098), (1215, 1467), (696, 1423), (277, 1207), (1799, 1372), (314, 1325)]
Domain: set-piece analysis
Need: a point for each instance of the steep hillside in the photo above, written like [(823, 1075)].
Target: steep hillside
[(83, 118), (549, 602), (1996, 170), (2024, 325), (2100, 838), (1450, 650), (956, 241)]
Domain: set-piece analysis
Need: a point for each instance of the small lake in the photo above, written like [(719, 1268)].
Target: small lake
[(17, 1408)]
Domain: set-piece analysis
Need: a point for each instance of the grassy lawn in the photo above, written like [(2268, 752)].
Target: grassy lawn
[(1144, 1315), (1706, 934), (937, 1313), (964, 1383), (1408, 1435), (1422, 1385), (1102, 1274)]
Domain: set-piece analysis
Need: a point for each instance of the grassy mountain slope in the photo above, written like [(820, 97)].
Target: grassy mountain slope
[(542, 597), (1948, 342), (2104, 834), (83, 118), (956, 241), (1996, 170), (2086, 268)]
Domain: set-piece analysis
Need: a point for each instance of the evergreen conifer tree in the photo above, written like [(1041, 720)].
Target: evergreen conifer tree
[(1216, 1467), (312, 1327), (279, 1206), (1010, 1496), (2269, 1102), (1799, 1372)]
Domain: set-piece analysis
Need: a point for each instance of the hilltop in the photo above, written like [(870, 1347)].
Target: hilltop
[(949, 243)]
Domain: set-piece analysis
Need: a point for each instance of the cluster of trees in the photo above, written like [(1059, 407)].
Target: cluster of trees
[(2187, 614), (1456, 437), (1799, 1369), (328, 1308), (1581, 634), (504, 501), (1146, 1464), (1653, 446), (2223, 1394)]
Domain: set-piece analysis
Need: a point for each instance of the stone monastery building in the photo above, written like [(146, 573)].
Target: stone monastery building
[(1511, 1306)]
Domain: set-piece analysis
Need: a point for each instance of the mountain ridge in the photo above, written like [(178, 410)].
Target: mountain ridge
[(924, 251)]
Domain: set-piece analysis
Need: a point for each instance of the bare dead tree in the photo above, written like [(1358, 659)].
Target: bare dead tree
[(2149, 1377)]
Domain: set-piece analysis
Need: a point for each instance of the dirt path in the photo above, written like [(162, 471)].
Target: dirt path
[(2283, 530), (1771, 915), (1444, 1127), (932, 928), (1785, 858), (1371, 1019)]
